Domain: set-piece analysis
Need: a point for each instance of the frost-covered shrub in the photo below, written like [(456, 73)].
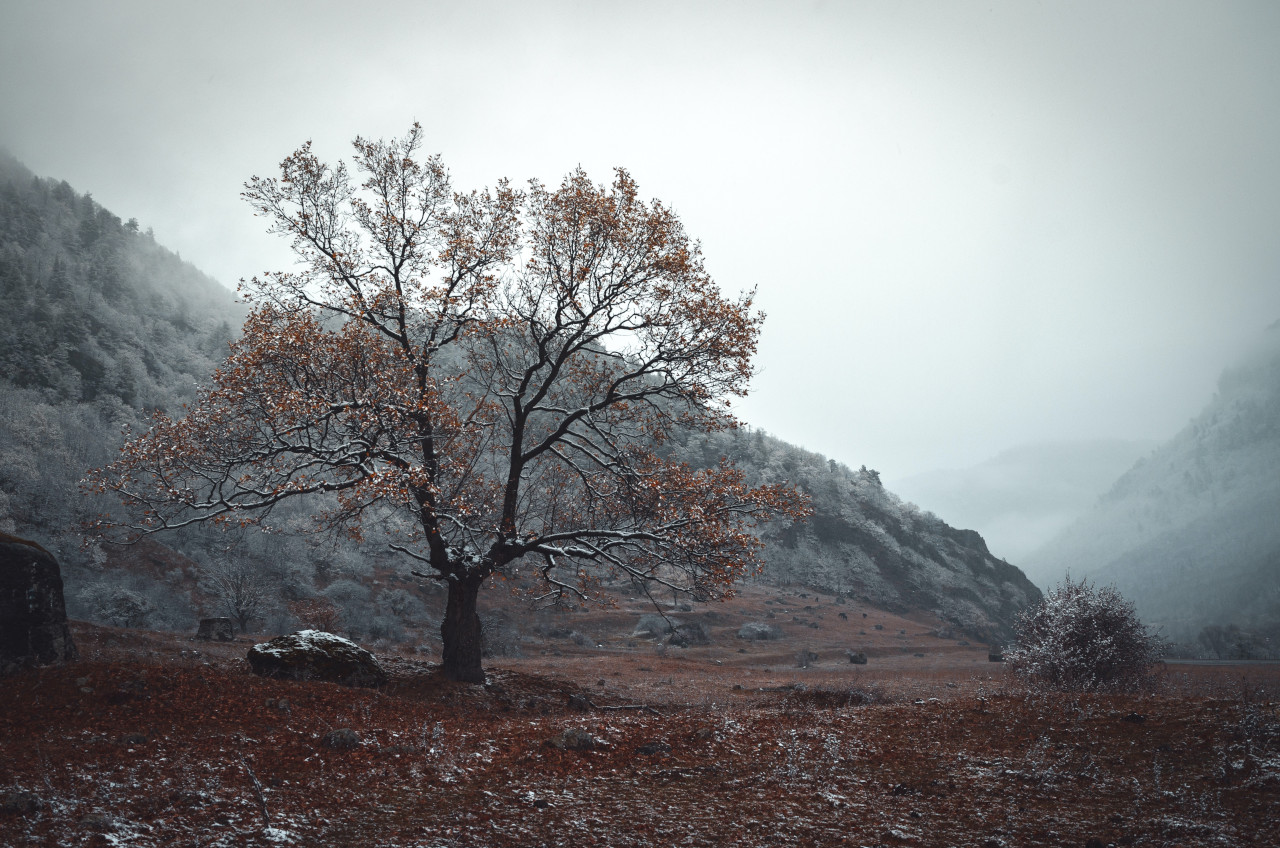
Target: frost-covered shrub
[(404, 605), (1083, 638), (500, 637), (316, 613), (116, 605), (652, 626), (758, 630)]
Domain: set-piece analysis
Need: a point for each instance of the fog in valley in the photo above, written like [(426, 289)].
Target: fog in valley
[(1006, 250)]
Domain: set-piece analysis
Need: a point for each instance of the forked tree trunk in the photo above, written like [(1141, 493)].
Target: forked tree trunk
[(460, 631)]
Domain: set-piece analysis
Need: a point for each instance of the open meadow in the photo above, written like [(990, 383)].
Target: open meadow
[(594, 736)]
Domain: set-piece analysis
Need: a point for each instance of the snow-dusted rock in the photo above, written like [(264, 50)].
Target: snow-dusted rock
[(342, 739), (576, 739), (316, 655)]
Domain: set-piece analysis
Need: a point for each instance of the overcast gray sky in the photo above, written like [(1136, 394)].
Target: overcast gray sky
[(972, 225)]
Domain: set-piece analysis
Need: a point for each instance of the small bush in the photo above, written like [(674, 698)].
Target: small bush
[(652, 627), (501, 638), (1081, 638), (758, 630)]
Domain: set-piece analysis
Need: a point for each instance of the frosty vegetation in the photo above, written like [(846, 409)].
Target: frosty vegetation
[(1082, 638)]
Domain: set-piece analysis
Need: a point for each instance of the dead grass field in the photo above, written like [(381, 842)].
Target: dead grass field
[(156, 740)]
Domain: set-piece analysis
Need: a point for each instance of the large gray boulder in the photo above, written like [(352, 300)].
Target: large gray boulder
[(316, 655), (33, 615)]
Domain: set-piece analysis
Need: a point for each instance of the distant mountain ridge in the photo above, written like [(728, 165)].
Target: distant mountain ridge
[(1023, 497), (102, 324), (1192, 532)]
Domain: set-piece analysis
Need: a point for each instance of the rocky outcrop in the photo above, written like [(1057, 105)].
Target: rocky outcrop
[(33, 615), (316, 655)]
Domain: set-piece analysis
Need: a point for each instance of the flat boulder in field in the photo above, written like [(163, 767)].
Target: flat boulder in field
[(316, 655), (33, 614)]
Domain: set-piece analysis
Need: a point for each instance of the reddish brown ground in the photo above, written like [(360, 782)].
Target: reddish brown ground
[(141, 744)]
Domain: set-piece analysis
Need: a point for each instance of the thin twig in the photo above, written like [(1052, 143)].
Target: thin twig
[(257, 791)]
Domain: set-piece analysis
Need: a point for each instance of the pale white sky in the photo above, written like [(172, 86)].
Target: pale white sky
[(972, 225)]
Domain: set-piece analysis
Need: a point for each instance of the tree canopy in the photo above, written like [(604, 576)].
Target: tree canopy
[(490, 376)]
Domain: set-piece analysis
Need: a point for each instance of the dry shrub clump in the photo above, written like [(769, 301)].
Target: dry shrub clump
[(1082, 638)]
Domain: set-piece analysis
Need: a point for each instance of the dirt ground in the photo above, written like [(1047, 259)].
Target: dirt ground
[(607, 738)]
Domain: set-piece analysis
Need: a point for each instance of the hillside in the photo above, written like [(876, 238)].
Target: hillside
[(865, 542), (99, 323), (103, 324), (1192, 532)]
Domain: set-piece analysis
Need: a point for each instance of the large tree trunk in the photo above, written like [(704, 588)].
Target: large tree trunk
[(461, 632)]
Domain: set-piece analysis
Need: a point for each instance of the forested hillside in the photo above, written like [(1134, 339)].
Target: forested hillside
[(101, 324), (1192, 532)]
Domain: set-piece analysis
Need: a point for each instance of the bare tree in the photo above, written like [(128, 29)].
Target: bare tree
[(239, 589), (497, 371)]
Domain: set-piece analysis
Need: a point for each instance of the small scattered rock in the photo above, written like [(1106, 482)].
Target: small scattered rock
[(1136, 718), (857, 657), (758, 630), (689, 633), (342, 739), (653, 749), (98, 823), (576, 739), (20, 802)]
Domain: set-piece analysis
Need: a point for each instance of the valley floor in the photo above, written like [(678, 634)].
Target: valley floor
[(155, 740)]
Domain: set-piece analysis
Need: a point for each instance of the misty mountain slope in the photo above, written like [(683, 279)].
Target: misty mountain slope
[(1192, 533), (866, 542), (99, 323), (1024, 496), (93, 307)]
